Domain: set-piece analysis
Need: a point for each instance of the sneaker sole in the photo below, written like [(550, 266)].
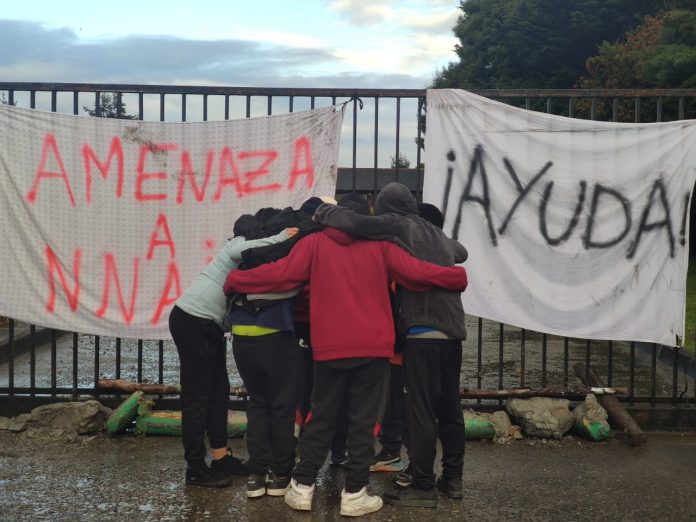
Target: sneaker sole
[(412, 503), (277, 492), (256, 493), (361, 511), (299, 506), (387, 467)]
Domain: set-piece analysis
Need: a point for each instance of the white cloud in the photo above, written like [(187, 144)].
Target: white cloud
[(363, 12)]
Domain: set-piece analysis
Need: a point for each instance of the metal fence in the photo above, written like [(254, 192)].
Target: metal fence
[(381, 142)]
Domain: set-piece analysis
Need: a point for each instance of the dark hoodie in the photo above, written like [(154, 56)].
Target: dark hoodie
[(350, 313), (398, 220)]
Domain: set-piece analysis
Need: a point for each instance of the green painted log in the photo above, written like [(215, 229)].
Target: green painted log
[(124, 415), (478, 428)]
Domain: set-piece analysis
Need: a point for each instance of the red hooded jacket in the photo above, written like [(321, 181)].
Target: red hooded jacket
[(350, 313)]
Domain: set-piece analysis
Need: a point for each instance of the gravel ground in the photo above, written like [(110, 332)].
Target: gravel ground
[(133, 478)]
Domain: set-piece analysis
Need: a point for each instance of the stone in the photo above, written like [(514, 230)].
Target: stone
[(541, 416), (70, 417), (19, 423), (502, 425), (5, 423)]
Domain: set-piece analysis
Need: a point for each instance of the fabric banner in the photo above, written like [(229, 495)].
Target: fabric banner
[(106, 221), (576, 228)]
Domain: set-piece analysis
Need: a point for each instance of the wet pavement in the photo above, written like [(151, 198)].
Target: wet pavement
[(133, 478)]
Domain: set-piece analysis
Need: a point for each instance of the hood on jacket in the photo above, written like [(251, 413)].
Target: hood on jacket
[(396, 198), (339, 236)]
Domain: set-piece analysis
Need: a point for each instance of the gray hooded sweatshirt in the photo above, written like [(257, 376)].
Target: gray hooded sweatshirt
[(398, 221)]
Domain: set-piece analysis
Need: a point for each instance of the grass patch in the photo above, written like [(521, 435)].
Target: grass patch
[(690, 327)]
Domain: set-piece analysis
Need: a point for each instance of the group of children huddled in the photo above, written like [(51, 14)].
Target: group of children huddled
[(327, 294)]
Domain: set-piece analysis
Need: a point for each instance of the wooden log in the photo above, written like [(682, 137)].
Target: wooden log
[(616, 410), (563, 393), (123, 386)]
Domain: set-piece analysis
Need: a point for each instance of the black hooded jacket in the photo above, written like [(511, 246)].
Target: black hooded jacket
[(398, 221)]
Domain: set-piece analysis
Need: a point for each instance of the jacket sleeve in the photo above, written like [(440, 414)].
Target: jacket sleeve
[(235, 250), (384, 226), (419, 276), (278, 276), (460, 253)]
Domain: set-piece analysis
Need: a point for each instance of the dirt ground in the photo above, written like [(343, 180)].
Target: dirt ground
[(133, 478)]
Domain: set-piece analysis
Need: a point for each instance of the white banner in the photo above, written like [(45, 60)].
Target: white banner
[(105, 222), (575, 228)]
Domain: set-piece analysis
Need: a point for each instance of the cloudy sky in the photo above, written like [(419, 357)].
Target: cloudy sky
[(276, 43)]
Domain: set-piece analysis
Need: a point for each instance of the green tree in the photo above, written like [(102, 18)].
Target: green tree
[(110, 106), (400, 161), (535, 43)]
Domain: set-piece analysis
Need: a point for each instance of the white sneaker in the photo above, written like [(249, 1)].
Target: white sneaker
[(360, 503), (299, 496)]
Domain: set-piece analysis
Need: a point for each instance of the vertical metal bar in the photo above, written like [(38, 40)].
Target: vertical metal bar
[(544, 342), (398, 139), (118, 357), (653, 374), (311, 102), (54, 338), (631, 372), (291, 103), (527, 103), (659, 110), (205, 107), (501, 335), (160, 358), (160, 361), (523, 356), (32, 337), (375, 158), (96, 364), (355, 141), (419, 137), (74, 364), (615, 109), (227, 106), (54, 101), (97, 104), (587, 360), (32, 99), (75, 103), (11, 340), (161, 106), (593, 109), (636, 105), (140, 360), (610, 364), (32, 367), (183, 106), (571, 108), (119, 104), (479, 356), (248, 106), (681, 108), (548, 105), (566, 379), (675, 374), (141, 106), (269, 107), (11, 97)]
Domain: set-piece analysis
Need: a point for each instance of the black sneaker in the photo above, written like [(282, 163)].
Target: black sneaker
[(256, 486), (384, 461), (199, 474), (277, 486), (411, 497), (403, 479), (229, 465), (451, 487)]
